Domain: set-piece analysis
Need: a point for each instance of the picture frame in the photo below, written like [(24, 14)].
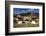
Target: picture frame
[(17, 7)]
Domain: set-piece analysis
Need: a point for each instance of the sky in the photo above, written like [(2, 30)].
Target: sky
[(24, 10)]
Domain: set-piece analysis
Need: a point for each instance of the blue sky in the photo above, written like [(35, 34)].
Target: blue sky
[(24, 10)]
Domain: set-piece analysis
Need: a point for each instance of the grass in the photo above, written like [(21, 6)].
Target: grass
[(26, 25)]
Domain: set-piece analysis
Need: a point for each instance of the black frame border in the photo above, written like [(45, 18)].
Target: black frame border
[(20, 33)]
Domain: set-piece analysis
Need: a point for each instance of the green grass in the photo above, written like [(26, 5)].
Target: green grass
[(26, 25)]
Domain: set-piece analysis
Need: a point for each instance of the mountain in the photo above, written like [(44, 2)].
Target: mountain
[(26, 14)]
